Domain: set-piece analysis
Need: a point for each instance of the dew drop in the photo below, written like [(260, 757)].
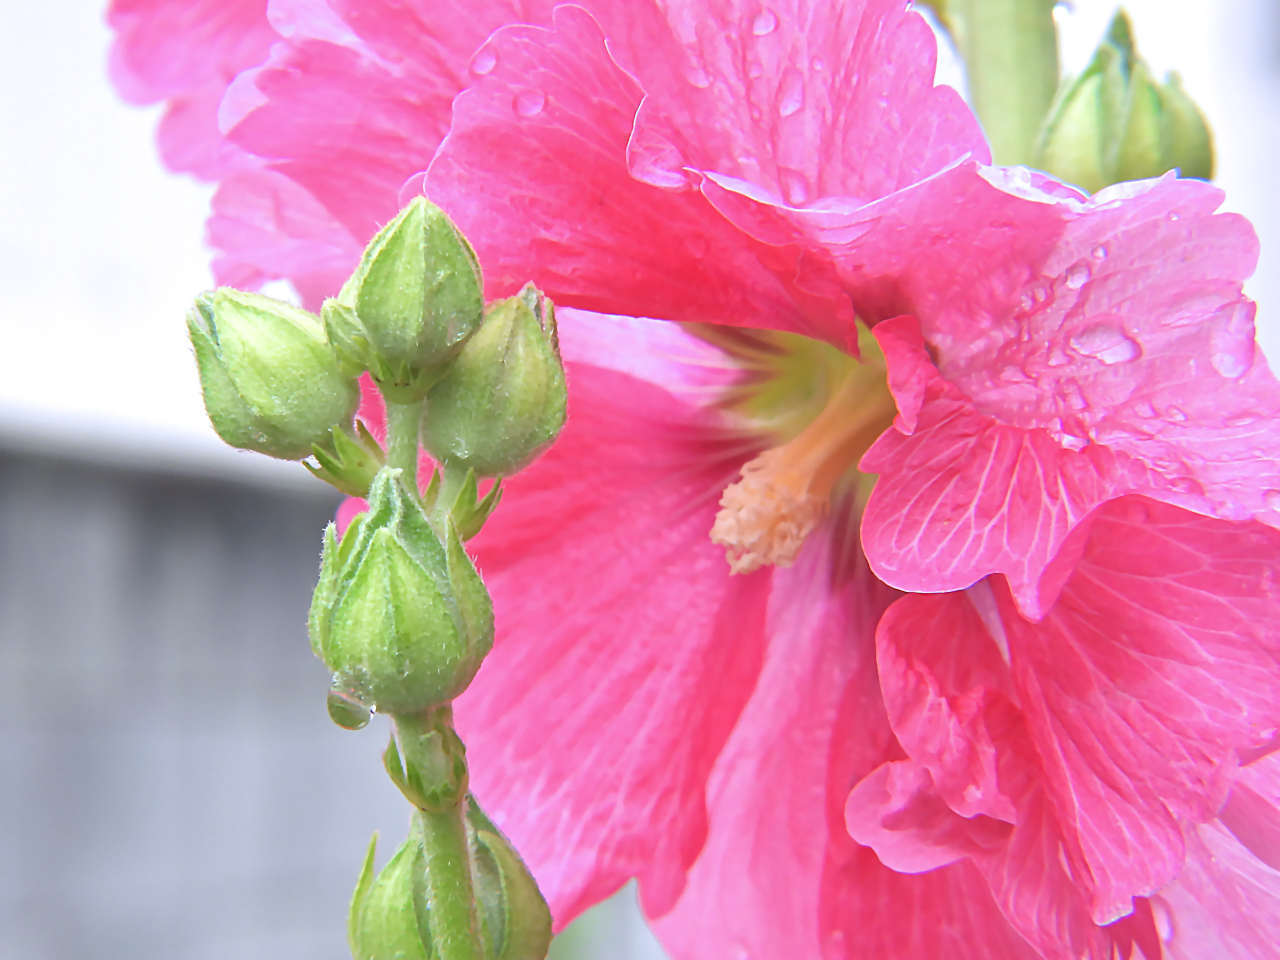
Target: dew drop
[(698, 76), (1105, 342), (484, 62), (817, 64), (529, 103), (795, 186), (1099, 253), (790, 92), (346, 710), (1233, 360), (1272, 499), (1078, 275), (765, 23)]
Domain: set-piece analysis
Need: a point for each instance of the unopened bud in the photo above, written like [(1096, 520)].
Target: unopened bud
[(413, 300), (271, 382), (1115, 122), (502, 401), (400, 616)]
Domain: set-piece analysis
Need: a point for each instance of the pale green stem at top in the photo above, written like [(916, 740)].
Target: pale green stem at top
[(403, 423), (1010, 51)]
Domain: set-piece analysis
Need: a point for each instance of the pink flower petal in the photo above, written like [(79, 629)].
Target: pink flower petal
[(539, 141), (1154, 671), (186, 51), (775, 794)]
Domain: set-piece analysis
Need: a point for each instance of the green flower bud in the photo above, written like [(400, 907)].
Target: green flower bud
[(1114, 122), (390, 913), (271, 382), (502, 401), (411, 303), (400, 616), (513, 913), (388, 919)]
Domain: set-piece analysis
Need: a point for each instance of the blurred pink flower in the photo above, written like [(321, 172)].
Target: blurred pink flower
[(1070, 459)]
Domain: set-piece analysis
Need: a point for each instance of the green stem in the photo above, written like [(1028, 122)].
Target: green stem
[(434, 763), (453, 920), (403, 423), (452, 477), (1010, 50)]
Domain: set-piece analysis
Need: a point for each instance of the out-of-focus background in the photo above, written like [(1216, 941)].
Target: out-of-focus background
[(171, 785)]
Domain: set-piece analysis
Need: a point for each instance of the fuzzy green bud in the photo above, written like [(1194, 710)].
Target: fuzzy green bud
[(502, 401), (271, 382), (399, 615), (390, 914), (415, 297), (1115, 122)]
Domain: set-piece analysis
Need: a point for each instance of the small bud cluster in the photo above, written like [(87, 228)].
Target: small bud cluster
[(400, 615), (1115, 122)]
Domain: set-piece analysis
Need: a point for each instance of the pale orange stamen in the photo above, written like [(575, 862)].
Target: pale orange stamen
[(785, 492)]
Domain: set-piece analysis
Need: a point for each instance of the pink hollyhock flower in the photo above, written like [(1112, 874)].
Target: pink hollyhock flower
[(1061, 749)]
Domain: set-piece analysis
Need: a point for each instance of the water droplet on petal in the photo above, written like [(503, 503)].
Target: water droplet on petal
[(1078, 275), (698, 75), (1105, 342), (529, 103), (795, 186), (1099, 252), (1233, 361), (817, 65), (346, 710), (790, 92), (484, 62), (765, 23), (1272, 499)]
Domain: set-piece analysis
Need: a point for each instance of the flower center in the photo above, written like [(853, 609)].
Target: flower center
[(787, 490)]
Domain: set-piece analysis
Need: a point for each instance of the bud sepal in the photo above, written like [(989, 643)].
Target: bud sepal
[(347, 460)]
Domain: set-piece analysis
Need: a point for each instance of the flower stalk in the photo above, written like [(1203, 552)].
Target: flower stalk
[(1010, 51)]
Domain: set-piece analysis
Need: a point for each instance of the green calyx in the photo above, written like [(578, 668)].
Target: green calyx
[(502, 400), (399, 614), (347, 459), (391, 912), (270, 381), (414, 299), (1115, 122)]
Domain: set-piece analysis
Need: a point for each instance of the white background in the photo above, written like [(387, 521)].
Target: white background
[(101, 249)]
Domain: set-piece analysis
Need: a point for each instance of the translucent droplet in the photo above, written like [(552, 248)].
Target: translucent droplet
[(484, 62), (790, 92), (1099, 253), (1174, 218), (529, 103), (1272, 499), (795, 187), (698, 75), (817, 64), (1233, 361), (765, 23), (1078, 275), (1105, 342), (346, 710)]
